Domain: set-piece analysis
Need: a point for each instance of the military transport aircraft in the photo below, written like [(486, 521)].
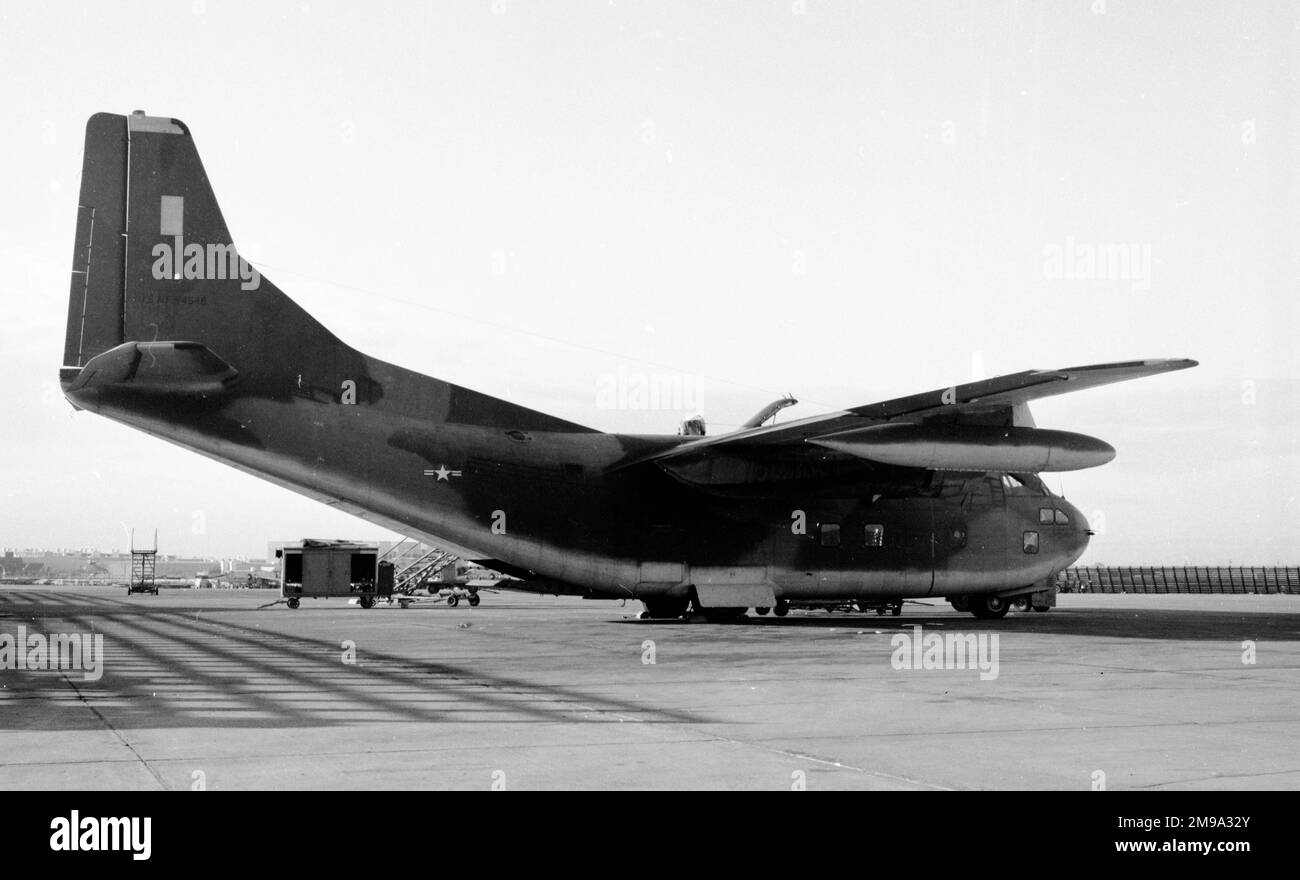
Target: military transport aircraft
[(934, 495)]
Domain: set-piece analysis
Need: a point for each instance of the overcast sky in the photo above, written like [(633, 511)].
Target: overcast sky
[(848, 202)]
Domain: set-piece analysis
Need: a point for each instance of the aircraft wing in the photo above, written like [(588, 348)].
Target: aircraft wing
[(988, 414)]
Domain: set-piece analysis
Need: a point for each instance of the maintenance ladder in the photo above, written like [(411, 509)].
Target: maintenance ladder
[(143, 567), (415, 563)]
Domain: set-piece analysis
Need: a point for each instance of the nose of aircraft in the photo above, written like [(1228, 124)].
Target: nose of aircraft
[(1080, 530), (1077, 517)]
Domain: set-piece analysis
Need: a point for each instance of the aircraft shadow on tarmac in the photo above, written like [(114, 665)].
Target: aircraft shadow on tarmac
[(172, 668), (1135, 623)]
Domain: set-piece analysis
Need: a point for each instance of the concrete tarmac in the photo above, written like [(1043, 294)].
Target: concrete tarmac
[(530, 692)]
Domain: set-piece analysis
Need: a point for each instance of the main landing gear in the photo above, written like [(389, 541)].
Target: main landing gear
[(996, 607), (671, 609), (780, 609), (989, 607)]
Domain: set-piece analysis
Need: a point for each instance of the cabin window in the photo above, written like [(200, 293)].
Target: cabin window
[(1045, 516), (830, 534), (957, 534), (1031, 542), (1061, 518), (875, 536)]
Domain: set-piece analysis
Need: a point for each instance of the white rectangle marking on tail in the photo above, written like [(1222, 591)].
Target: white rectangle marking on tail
[(172, 214)]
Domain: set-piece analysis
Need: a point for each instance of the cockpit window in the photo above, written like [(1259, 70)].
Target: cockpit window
[(830, 534), (1030, 544), (1061, 518), (1045, 516)]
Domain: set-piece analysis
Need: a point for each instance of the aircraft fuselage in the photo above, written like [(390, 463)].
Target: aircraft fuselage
[(561, 506)]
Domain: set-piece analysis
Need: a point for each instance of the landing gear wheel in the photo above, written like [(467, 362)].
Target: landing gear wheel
[(367, 601), (473, 600), (898, 609), (989, 607), (293, 602), (782, 608), (453, 601), (1041, 610), (762, 611), (880, 610), (1020, 603)]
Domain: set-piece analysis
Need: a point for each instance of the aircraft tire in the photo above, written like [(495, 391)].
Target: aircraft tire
[(1042, 610), (293, 602), (989, 607), (453, 601), (898, 610), (473, 601), (1020, 603), (762, 611), (782, 608)]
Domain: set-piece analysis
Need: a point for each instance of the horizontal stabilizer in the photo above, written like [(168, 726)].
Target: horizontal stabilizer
[(186, 368)]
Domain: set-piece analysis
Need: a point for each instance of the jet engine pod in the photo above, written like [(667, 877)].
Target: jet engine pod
[(971, 447)]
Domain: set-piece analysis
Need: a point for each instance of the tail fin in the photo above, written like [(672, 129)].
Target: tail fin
[(154, 261), (162, 303)]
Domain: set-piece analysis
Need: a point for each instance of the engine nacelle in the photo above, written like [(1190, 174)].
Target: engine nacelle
[(971, 447)]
